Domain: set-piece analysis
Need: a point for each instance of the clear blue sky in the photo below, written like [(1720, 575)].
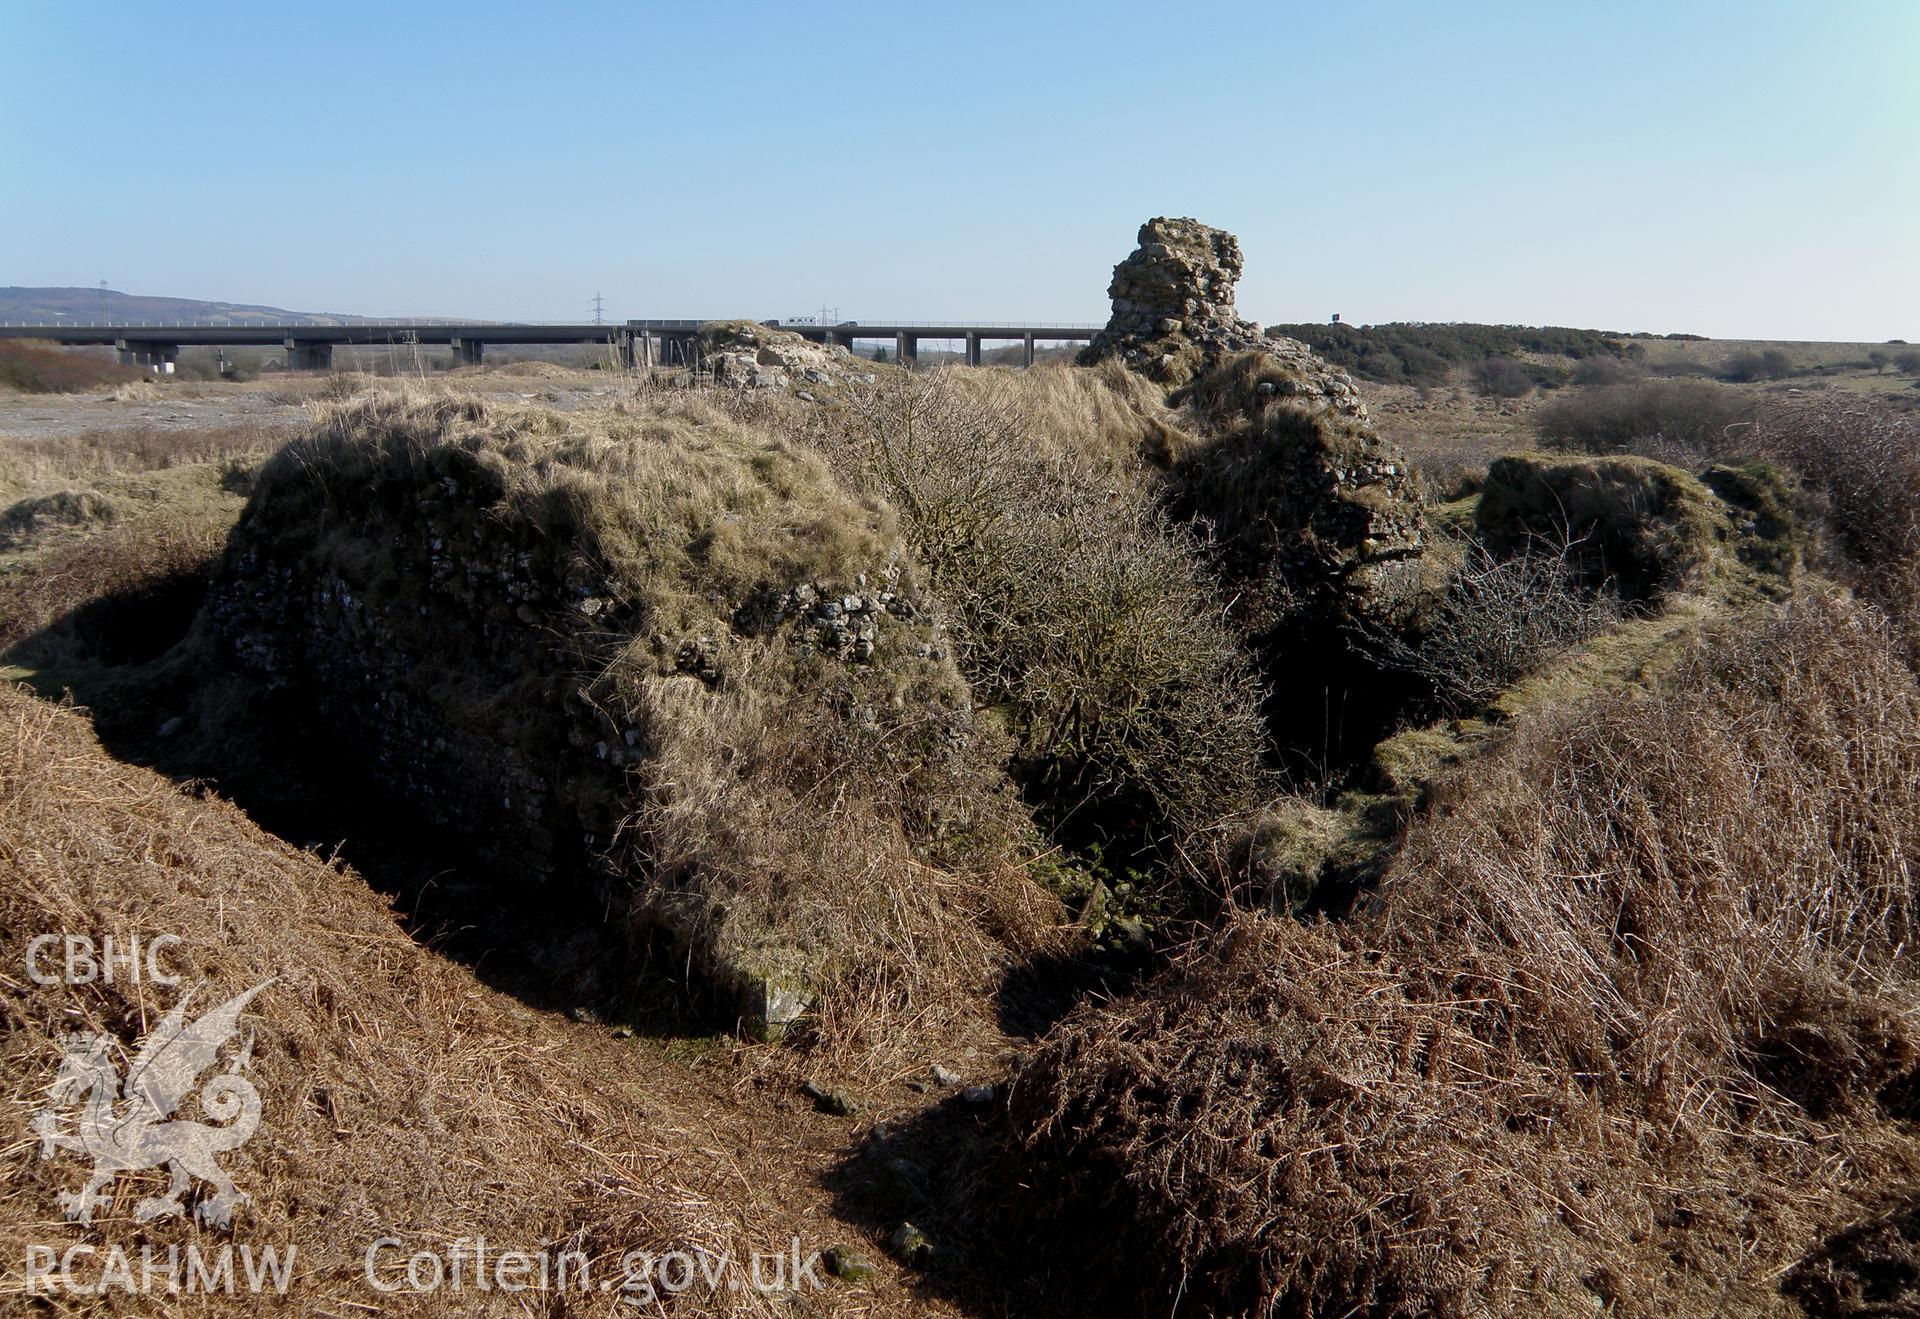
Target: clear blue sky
[(1724, 168)]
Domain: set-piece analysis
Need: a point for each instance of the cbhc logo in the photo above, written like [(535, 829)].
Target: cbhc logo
[(75, 959)]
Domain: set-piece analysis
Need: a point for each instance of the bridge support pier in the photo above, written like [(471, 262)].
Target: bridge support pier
[(1027, 343), (973, 349), (906, 348), (468, 352), (143, 354), (309, 355), (841, 339)]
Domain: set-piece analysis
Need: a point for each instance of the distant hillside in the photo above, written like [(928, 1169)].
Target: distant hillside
[(86, 306)]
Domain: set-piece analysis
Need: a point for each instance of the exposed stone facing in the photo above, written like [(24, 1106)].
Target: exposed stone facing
[(477, 657), (369, 669), (1173, 302), (1315, 516), (744, 355), (1313, 382), (1315, 521), (1303, 492)]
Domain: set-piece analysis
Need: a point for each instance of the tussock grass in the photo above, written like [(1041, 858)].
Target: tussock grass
[(1103, 419), (1641, 527), (105, 550), (1631, 1025), (122, 594), (23, 520)]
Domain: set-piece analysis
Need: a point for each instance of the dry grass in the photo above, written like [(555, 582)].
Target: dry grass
[(1632, 1024), (109, 597), (31, 466), (400, 1097), (107, 545), (1104, 419), (1077, 606), (793, 814)]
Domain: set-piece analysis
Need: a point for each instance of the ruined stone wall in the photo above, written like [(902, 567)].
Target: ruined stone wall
[(442, 674), (1173, 301)]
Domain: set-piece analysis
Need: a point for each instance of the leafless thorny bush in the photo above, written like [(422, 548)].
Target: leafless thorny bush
[(1630, 1027), (1864, 461), (1498, 619), (1076, 604)]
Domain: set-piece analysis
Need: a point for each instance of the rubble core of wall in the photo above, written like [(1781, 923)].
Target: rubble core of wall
[(660, 662)]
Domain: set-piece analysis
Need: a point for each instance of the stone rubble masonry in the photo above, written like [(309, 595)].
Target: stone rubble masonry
[(1173, 301)]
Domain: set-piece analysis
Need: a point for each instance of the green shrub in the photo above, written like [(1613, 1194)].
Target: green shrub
[(1422, 354), (1593, 371), (1744, 368)]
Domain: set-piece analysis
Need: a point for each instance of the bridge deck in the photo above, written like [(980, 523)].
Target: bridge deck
[(392, 332)]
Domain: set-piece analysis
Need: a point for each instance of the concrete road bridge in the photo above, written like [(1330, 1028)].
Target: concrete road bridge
[(637, 343)]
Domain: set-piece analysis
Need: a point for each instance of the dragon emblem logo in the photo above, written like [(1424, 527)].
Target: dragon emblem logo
[(131, 1127)]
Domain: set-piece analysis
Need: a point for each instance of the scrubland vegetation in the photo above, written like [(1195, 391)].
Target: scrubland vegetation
[(43, 368), (1490, 895)]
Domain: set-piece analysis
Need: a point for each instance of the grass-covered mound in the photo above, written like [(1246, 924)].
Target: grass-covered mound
[(400, 1096), (663, 652), (1314, 526), (1630, 1027), (1642, 527)]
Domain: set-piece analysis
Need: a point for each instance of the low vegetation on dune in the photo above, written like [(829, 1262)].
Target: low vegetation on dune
[(107, 539), (1428, 354), (1347, 892), (43, 368), (1688, 415)]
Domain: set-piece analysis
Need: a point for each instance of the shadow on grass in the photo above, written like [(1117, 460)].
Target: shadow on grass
[(139, 662), (143, 667)]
